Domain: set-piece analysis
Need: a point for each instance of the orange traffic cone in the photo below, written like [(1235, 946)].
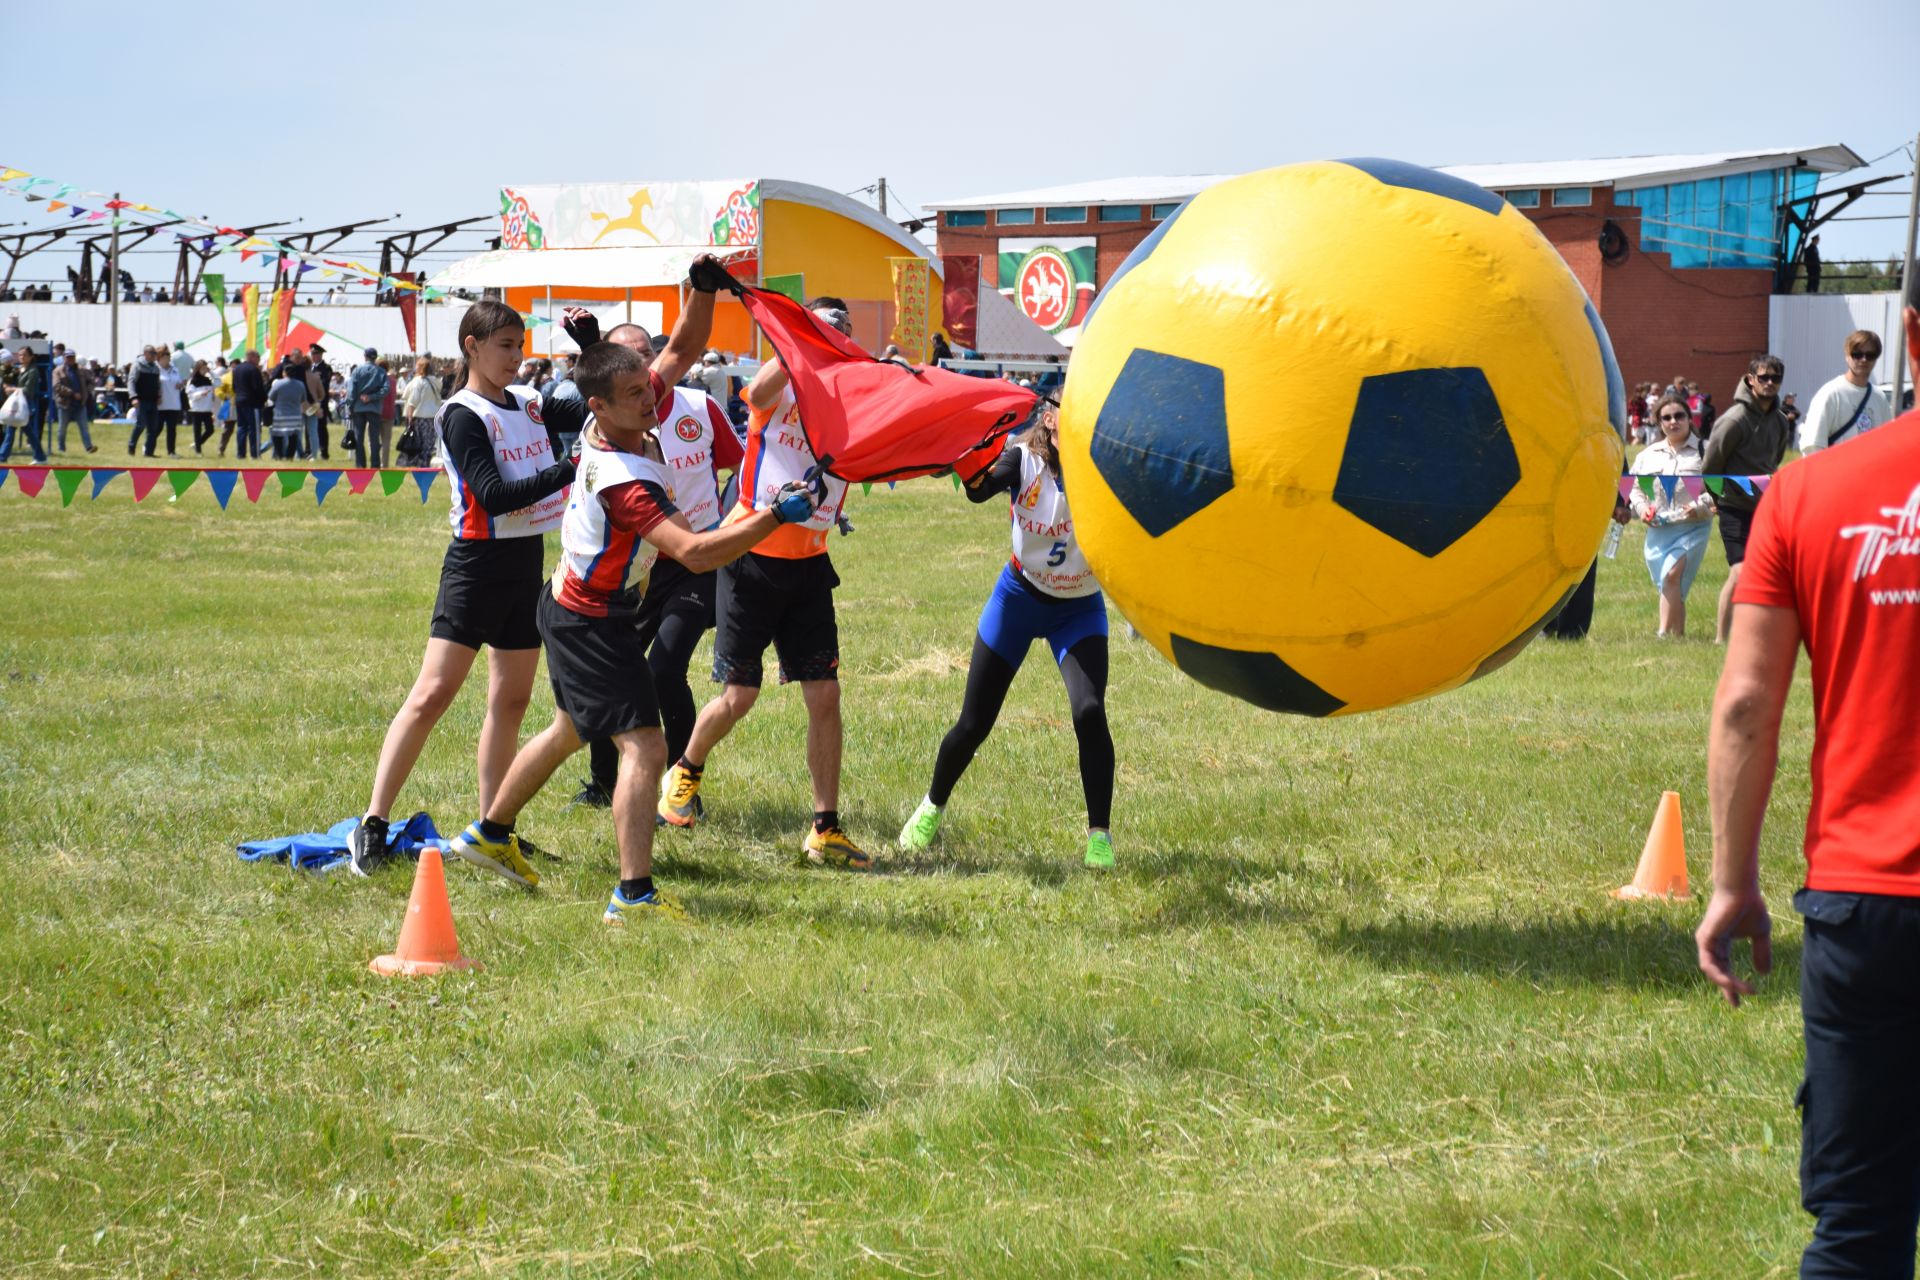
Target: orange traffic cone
[(1663, 863), (427, 942)]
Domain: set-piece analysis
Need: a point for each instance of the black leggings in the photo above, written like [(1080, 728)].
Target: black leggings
[(988, 679), (668, 659)]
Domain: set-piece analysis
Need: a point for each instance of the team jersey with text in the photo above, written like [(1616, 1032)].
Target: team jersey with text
[(615, 500), (520, 450), (696, 444), (777, 453), (1045, 552)]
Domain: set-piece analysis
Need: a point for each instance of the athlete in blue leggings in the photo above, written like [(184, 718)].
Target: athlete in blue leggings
[(1045, 592)]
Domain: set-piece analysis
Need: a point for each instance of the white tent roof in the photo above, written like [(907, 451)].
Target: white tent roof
[(1620, 171), (641, 266)]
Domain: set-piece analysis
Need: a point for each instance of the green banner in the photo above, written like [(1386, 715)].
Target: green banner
[(217, 295), (793, 286)]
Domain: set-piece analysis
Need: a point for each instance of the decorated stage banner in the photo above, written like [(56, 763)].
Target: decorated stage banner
[(912, 283), (601, 215), (250, 310), (216, 286), (960, 297), (1050, 280)]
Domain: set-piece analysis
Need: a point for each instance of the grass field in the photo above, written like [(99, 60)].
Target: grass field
[(1355, 1004)]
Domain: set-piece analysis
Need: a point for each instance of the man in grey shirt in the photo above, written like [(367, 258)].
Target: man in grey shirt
[(287, 397)]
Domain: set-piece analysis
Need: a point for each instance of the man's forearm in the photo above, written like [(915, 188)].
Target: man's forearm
[(1742, 753)]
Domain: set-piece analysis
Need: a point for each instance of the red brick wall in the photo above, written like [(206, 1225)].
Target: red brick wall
[(1113, 241), (1702, 323)]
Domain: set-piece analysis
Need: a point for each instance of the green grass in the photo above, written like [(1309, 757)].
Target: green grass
[(1356, 1002)]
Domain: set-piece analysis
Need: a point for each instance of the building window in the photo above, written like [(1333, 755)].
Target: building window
[(1068, 213), (1014, 217), (1162, 211), (1525, 198), (1731, 221), (1564, 196), (1119, 213), (966, 218)]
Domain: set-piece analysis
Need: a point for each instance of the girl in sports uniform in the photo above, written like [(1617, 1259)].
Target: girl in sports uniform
[(509, 481), (1045, 592)]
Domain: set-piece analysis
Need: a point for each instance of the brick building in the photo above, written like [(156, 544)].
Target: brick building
[(1679, 253)]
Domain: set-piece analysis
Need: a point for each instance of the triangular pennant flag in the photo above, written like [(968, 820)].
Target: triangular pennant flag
[(1761, 482), (255, 482), (1626, 487), (889, 484), (221, 482), (65, 189), (323, 482), (1744, 482), (1667, 485), (390, 481), (68, 482), (956, 482), (866, 487), (31, 480), (247, 253), (433, 295), (4, 473), (54, 206), (9, 175), (292, 481), (94, 217), (181, 481), (357, 481), (102, 477), (1646, 485), (425, 480), (1716, 485), (144, 478), (1693, 485)]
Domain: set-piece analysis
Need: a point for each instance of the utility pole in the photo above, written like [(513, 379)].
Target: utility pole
[(883, 197), (113, 289), (1908, 296)]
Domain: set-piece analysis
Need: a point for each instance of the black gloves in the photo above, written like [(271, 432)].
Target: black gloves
[(708, 276)]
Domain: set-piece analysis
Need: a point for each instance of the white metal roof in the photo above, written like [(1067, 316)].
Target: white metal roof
[(1106, 191), (1617, 171), (1649, 171)]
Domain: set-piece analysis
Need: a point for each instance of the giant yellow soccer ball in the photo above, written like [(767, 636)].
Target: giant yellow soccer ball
[(1342, 435)]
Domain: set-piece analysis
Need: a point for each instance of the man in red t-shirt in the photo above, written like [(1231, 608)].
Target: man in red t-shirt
[(1834, 563)]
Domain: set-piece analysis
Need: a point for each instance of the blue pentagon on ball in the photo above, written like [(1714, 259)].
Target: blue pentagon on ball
[(1160, 441), (1427, 456)]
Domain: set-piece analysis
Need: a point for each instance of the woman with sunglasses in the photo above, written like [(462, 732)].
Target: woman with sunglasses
[(1678, 524)]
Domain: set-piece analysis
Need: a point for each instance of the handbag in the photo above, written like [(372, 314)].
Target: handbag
[(15, 413), (348, 439)]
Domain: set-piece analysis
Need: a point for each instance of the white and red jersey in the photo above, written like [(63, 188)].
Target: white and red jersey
[(616, 499), (777, 453), (520, 450), (697, 443), (1045, 551)]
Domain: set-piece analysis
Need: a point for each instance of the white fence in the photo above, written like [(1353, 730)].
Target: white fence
[(1809, 331)]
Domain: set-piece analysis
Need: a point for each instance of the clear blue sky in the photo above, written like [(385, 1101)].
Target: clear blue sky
[(354, 109)]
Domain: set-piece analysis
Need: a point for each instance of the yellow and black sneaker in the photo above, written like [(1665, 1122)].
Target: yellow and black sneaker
[(502, 857), (680, 799), (831, 848)]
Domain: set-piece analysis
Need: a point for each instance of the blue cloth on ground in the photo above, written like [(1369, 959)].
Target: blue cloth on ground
[(322, 851)]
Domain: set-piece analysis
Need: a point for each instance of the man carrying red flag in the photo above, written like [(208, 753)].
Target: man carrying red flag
[(780, 593)]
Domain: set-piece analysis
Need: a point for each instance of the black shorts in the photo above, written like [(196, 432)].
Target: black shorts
[(487, 594), (598, 669), (761, 600), (673, 591), (1735, 525)]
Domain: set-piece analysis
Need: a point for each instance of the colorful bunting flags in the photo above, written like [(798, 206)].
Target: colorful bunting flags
[(221, 482), (291, 482), (323, 482), (68, 482)]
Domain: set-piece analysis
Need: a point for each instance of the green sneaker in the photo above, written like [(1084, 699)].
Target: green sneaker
[(922, 827), (1099, 851)]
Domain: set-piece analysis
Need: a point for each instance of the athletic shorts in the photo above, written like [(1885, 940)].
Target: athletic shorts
[(598, 670), (487, 595), (673, 591), (1017, 614), (762, 600), (1735, 524)]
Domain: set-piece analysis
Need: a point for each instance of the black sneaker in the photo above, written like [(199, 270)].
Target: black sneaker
[(528, 846), (367, 846), (591, 796)]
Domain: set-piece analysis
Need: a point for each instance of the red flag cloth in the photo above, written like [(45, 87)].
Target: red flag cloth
[(408, 300), (301, 336), (960, 297), (867, 419)]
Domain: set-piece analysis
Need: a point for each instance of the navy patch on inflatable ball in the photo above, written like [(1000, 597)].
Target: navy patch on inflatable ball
[(1160, 441), (1260, 678), (1427, 456)]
